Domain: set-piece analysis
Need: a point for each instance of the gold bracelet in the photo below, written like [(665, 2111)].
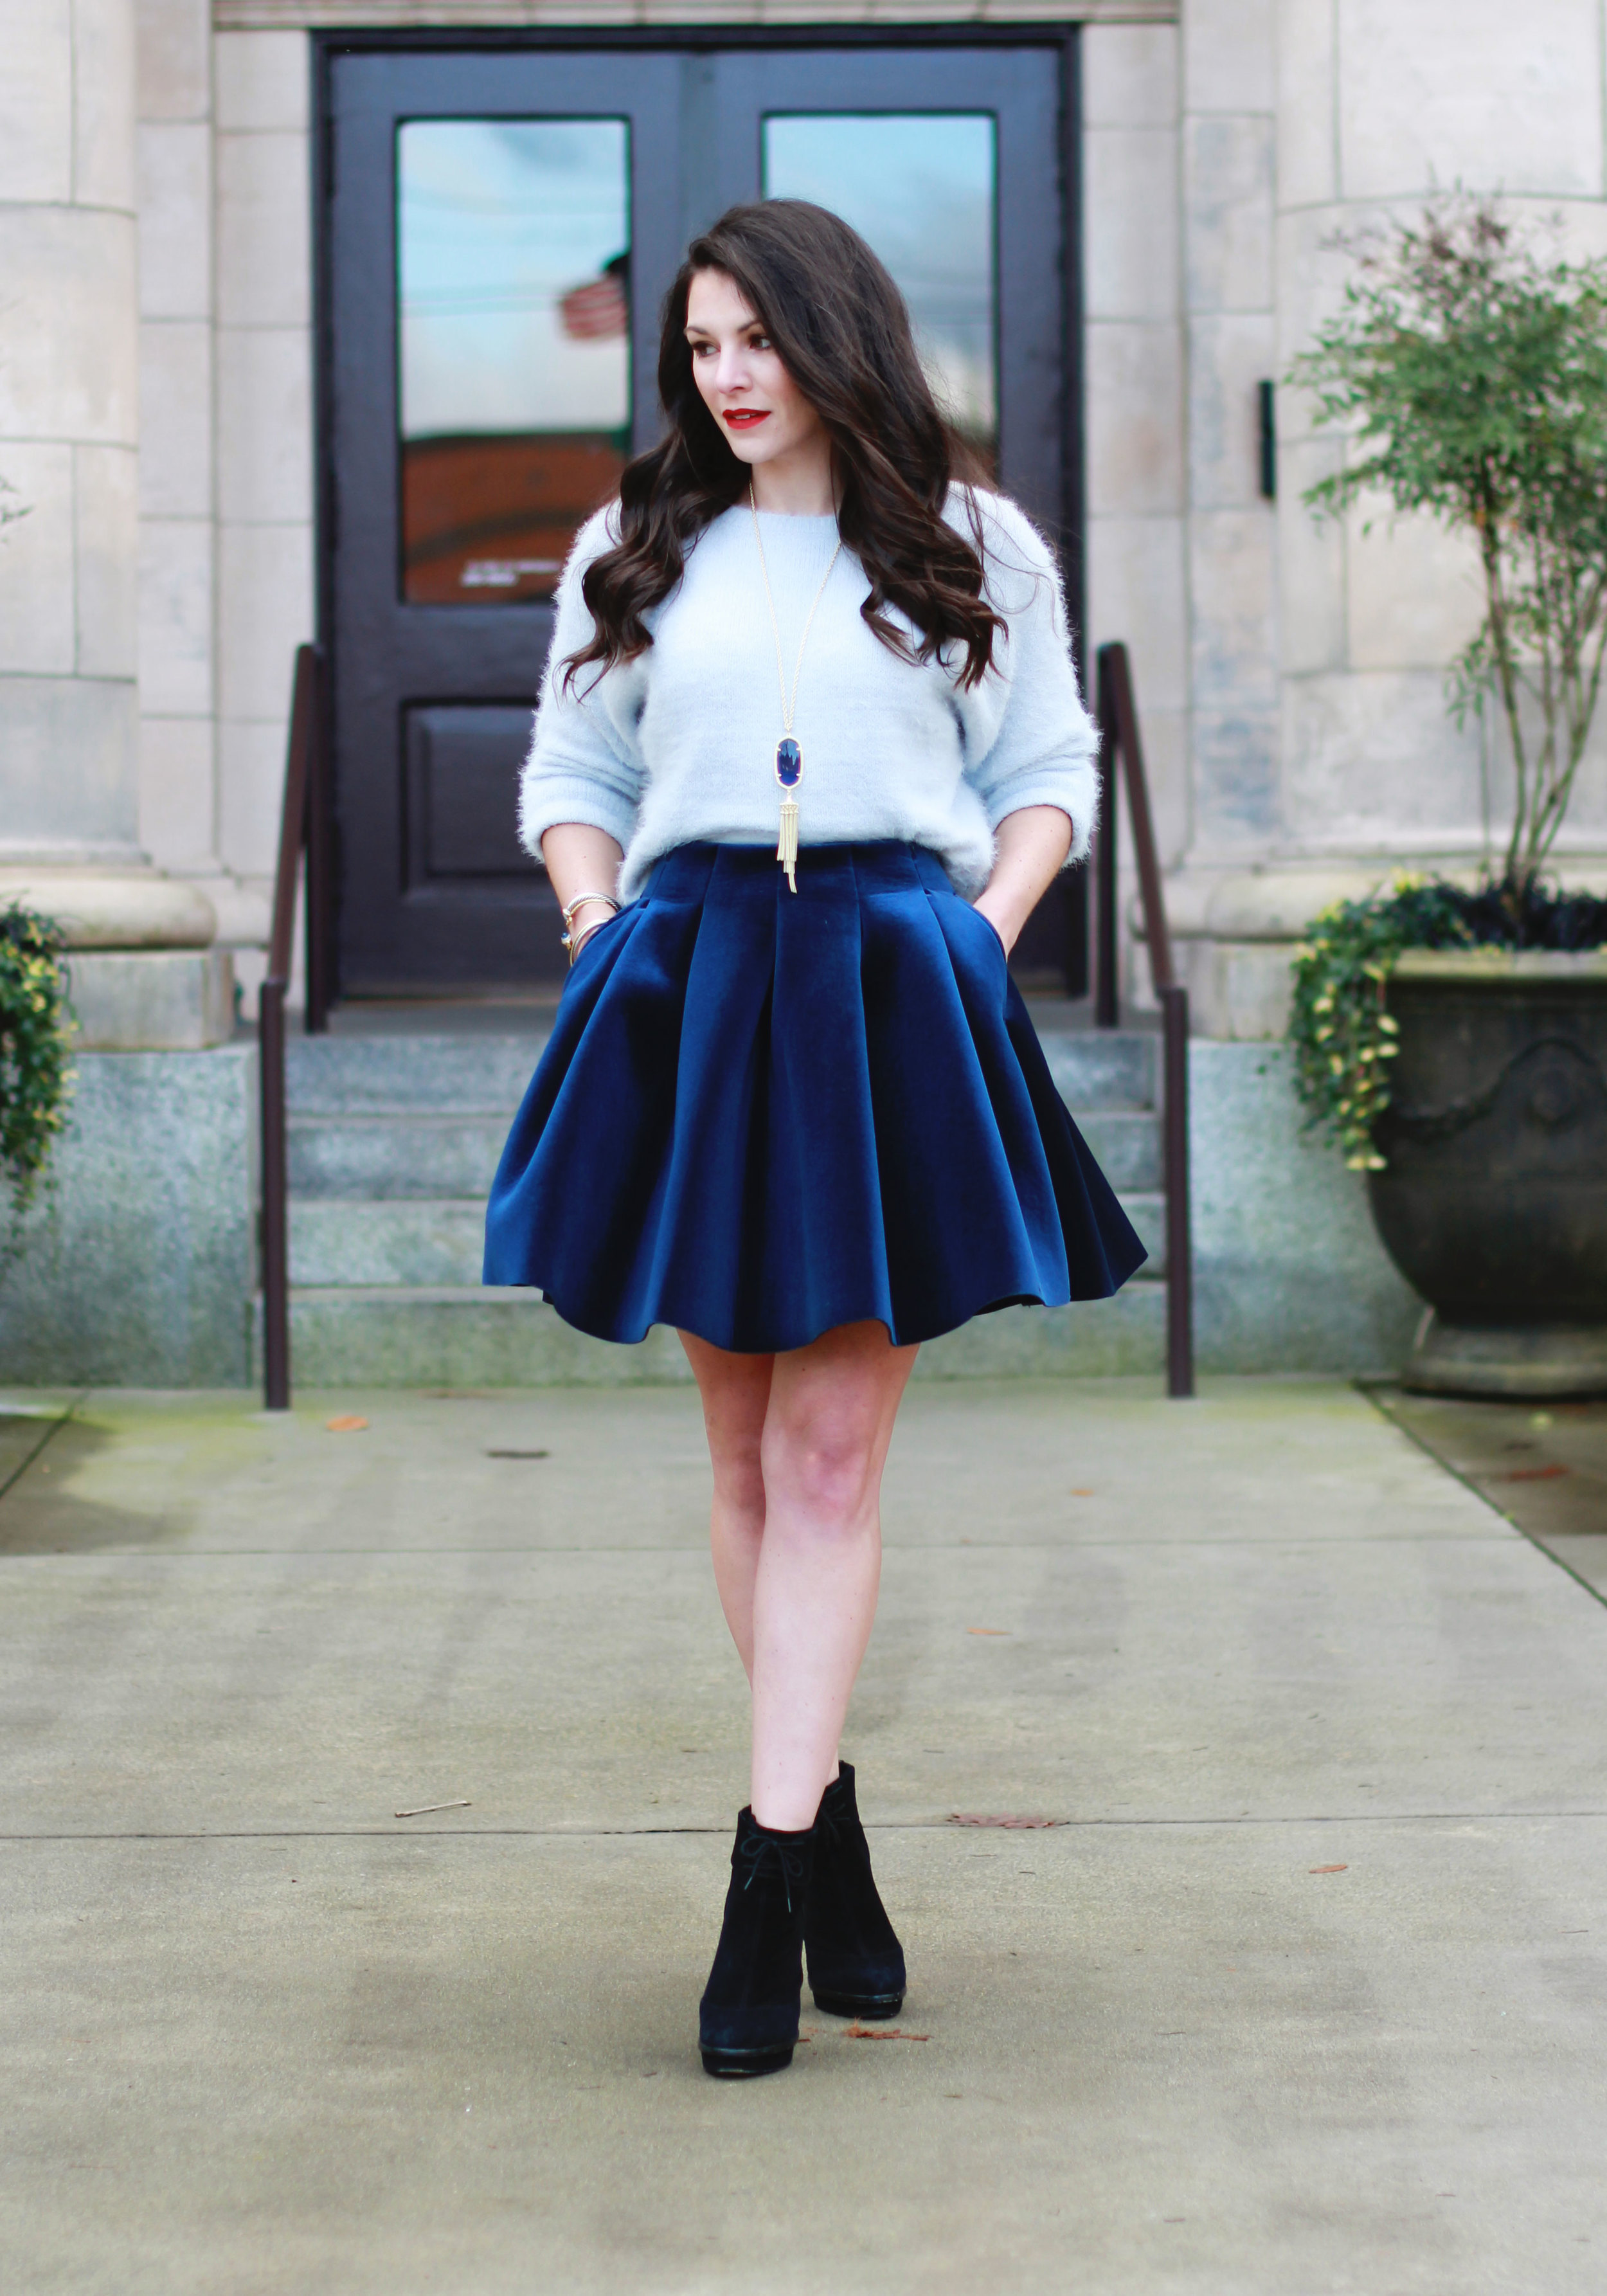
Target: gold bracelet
[(577, 940), (568, 939)]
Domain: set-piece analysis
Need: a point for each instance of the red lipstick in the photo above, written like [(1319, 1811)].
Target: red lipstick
[(743, 418)]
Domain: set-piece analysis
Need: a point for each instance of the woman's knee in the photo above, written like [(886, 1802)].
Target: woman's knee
[(819, 1458)]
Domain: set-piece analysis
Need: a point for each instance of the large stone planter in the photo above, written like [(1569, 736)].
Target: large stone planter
[(1494, 1201)]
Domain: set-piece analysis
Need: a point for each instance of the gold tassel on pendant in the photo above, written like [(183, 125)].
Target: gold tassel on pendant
[(786, 847)]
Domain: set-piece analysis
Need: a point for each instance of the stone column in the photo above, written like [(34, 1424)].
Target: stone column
[(1228, 56), (69, 562)]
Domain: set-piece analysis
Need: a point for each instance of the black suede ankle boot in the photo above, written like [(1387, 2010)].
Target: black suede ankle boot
[(856, 1961), (748, 2017)]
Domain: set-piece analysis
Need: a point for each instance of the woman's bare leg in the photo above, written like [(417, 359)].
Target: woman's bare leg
[(798, 1551), (735, 1390)]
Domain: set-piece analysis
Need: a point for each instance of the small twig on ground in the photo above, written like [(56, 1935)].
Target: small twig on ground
[(1014, 1824), (429, 1809)]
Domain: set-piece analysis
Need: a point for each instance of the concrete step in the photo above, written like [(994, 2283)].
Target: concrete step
[(458, 1337), (1104, 1067), (1126, 1145), (463, 1075), (394, 1155), (426, 1241), (396, 1241), (1147, 1211), (487, 1075), (410, 1154)]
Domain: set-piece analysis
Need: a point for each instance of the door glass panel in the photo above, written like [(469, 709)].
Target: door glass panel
[(920, 186), (513, 247)]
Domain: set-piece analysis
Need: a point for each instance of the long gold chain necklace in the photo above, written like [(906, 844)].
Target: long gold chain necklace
[(789, 757)]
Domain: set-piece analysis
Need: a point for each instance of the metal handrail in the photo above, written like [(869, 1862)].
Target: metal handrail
[(303, 827), (1119, 740)]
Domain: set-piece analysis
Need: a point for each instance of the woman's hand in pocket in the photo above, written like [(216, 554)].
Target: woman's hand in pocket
[(1028, 849)]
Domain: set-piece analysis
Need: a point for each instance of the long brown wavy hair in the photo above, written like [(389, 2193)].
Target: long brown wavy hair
[(842, 332)]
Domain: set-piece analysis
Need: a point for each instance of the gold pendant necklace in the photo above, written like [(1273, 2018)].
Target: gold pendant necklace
[(789, 757)]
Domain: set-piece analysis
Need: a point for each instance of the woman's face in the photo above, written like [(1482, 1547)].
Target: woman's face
[(761, 412)]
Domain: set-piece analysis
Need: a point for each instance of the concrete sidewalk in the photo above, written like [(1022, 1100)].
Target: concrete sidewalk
[(1302, 1992)]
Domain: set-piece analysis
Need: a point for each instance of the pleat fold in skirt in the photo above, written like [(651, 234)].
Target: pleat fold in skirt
[(761, 1114)]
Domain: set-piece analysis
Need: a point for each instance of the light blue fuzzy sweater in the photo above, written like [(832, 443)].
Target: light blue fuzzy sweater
[(679, 745)]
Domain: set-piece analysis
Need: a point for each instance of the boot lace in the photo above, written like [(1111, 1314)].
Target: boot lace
[(758, 1852)]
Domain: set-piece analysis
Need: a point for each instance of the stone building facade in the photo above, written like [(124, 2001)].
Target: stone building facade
[(156, 424)]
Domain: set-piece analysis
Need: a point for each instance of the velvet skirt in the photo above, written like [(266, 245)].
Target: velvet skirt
[(763, 1114)]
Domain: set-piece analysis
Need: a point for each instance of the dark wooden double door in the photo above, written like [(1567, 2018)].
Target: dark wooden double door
[(501, 225)]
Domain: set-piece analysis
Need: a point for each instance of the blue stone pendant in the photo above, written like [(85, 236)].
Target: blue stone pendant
[(789, 772)]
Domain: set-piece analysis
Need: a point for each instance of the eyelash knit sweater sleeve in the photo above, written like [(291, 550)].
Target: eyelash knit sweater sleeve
[(678, 746), (584, 762), (1043, 744)]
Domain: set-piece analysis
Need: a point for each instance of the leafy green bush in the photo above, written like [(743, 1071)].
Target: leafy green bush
[(36, 1077), (1341, 1031)]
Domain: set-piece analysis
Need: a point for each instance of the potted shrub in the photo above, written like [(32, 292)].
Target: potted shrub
[(1452, 1038)]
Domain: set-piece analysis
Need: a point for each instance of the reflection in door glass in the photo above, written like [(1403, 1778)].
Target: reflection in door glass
[(513, 240), (920, 187)]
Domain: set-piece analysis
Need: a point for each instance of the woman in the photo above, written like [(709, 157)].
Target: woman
[(805, 696)]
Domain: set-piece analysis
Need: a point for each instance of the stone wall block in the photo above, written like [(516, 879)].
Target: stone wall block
[(1136, 593), (37, 630), (1232, 589), (103, 103), (1372, 763), (1313, 268), (1134, 418), (174, 58), (36, 103), (1228, 54), (1415, 593), (67, 744), (1307, 121), (266, 611), (1228, 359), (106, 524), (1236, 780), (175, 801), (141, 1269), (176, 221), (176, 616), (179, 1000), (264, 426), (1164, 734), (1477, 91), (71, 363), (1129, 76), (1288, 1270), (175, 418), (261, 80), (264, 258), (250, 789), (1130, 223), (1227, 177), (1311, 562)]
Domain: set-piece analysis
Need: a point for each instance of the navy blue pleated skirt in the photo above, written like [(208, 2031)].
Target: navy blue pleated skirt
[(761, 1114)]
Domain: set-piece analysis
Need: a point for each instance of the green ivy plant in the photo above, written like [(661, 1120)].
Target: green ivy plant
[(36, 1072), (1341, 1031), (1471, 374)]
